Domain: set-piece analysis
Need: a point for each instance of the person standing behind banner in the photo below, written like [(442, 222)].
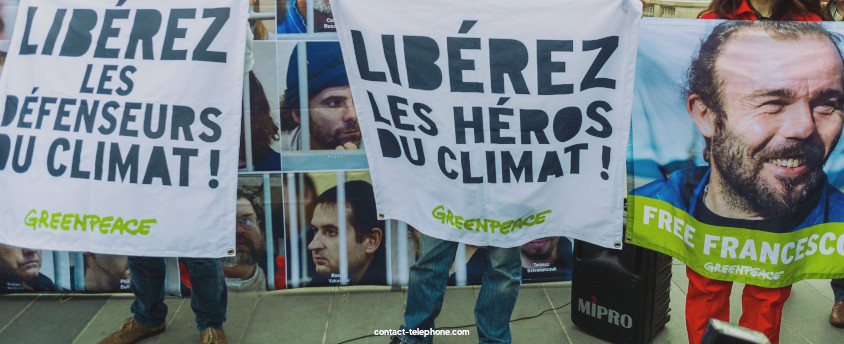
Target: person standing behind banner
[(208, 300), (209, 297), (427, 285), (835, 12)]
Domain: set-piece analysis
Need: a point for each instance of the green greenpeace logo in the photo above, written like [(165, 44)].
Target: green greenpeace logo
[(743, 270), (737, 254), (87, 222), (446, 216)]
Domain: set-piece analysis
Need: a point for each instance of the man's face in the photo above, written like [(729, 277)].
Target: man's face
[(249, 239), (322, 6), (325, 246), (113, 265), (782, 104), (22, 262), (333, 119), (540, 249)]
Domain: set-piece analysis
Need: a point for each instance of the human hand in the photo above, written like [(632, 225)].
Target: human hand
[(347, 146)]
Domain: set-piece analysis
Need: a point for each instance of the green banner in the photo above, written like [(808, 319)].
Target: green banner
[(737, 254)]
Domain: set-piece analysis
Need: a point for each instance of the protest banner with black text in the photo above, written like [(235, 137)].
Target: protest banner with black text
[(119, 128), (495, 122)]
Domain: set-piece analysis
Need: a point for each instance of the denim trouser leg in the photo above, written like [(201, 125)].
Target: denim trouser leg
[(426, 287), (838, 289), (208, 297), (147, 281), (498, 295)]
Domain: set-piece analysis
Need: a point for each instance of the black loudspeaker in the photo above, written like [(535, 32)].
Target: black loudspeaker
[(620, 296)]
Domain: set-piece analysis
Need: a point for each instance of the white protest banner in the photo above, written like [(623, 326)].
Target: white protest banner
[(119, 128), (495, 122)]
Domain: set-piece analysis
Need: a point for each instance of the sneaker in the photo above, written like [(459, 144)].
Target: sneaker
[(396, 340), (213, 336), (131, 331)]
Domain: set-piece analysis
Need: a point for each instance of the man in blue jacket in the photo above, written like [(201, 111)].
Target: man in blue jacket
[(769, 125)]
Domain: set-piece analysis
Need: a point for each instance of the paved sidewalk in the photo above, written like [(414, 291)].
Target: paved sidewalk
[(351, 314)]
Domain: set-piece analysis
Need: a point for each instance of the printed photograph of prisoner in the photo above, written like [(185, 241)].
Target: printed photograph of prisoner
[(21, 269), (766, 101), (314, 226), (260, 127), (547, 260), (262, 19), (327, 111), (254, 264), (292, 16), (106, 273)]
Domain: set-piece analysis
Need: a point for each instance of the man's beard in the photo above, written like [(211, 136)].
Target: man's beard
[(541, 255), (744, 186), (331, 139), (245, 256)]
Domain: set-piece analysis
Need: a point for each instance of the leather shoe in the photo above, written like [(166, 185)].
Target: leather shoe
[(213, 336), (836, 317), (131, 331)]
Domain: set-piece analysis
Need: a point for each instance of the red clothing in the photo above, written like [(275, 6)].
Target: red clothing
[(708, 298), (744, 12)]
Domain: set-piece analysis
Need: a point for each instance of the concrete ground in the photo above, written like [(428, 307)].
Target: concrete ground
[(351, 314)]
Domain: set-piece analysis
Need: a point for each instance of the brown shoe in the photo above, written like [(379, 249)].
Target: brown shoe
[(131, 331), (213, 336), (836, 317)]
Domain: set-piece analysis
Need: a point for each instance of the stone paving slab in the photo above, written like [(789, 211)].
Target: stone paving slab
[(356, 314), (12, 306), (295, 316), (53, 318)]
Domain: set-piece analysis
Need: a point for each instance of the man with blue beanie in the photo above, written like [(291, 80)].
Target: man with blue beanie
[(331, 114)]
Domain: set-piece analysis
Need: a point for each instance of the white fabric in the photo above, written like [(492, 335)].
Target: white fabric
[(581, 203), (193, 217)]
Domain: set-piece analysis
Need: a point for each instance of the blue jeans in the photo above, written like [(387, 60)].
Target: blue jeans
[(208, 296), (838, 289), (426, 290)]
